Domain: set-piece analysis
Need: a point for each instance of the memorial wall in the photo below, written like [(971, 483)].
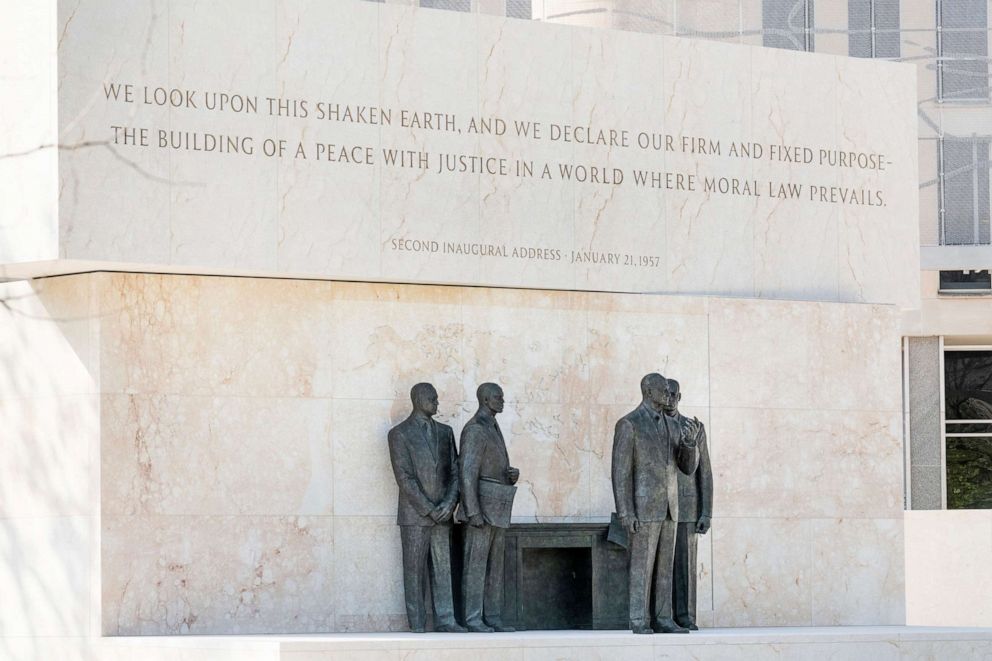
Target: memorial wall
[(558, 210), (351, 141)]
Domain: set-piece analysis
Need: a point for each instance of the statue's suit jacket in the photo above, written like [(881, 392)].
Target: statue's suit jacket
[(483, 457), (696, 490), (647, 455), (426, 477)]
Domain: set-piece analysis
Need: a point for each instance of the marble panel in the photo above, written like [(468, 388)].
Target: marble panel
[(46, 338), (368, 579), (762, 572), (29, 215), (511, 208), (189, 455), (840, 338), (217, 574), (546, 442), (948, 560), (531, 345), (325, 206), (631, 81), (804, 463), (858, 572), (44, 576), (707, 108), (382, 349), (625, 345), (113, 197), (778, 375), (363, 480), (152, 207), (47, 467), (417, 72), (236, 194), (871, 128), (206, 336), (815, 368)]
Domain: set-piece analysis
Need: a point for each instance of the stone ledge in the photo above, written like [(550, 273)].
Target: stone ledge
[(872, 643)]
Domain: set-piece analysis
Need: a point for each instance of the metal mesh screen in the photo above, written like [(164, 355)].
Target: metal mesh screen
[(787, 24), (450, 5), (963, 49), (873, 28), (965, 191), (519, 9)]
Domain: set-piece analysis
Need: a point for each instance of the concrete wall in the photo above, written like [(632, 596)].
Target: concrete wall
[(49, 472), (949, 568), (28, 133)]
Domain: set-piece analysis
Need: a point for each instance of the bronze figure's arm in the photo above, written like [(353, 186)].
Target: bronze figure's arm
[(473, 444), (405, 476), (623, 474), (705, 480)]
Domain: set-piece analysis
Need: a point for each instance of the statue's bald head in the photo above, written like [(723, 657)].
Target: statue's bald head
[(490, 396), (424, 398), (651, 381), (654, 391)]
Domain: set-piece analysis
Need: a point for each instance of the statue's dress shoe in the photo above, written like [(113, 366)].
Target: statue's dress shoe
[(499, 627), (450, 627), (686, 622), (667, 625), (416, 629), (478, 627), (641, 628)]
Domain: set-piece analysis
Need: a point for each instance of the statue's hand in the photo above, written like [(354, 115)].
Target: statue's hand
[(446, 512), (476, 521), (703, 525), (513, 474), (629, 524), (438, 513), (691, 431)]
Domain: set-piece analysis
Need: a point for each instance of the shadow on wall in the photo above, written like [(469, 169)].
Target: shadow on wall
[(49, 445)]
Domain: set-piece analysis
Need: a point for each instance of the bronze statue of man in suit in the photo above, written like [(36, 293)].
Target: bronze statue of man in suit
[(695, 510), (425, 464), (487, 492), (648, 451)]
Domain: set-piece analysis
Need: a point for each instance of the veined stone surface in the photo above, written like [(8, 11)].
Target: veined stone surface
[(301, 80), (246, 485)]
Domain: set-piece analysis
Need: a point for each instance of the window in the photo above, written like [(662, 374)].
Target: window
[(451, 5), (518, 8), (873, 28), (965, 282), (968, 417), (962, 50), (964, 191), (787, 24)]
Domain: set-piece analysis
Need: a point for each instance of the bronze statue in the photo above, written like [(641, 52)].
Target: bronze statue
[(487, 492), (424, 460), (695, 510), (648, 451)]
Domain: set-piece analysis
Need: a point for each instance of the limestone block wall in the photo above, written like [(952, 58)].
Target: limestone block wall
[(246, 485), (49, 468)]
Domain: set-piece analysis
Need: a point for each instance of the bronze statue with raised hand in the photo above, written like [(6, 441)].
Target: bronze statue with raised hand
[(649, 449)]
